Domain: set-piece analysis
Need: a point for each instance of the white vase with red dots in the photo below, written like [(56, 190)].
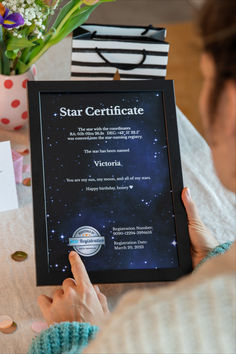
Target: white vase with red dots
[(14, 100)]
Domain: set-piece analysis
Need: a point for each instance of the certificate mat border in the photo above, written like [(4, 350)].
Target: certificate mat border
[(44, 277)]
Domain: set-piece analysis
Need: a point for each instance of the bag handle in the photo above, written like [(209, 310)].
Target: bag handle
[(148, 28), (122, 66)]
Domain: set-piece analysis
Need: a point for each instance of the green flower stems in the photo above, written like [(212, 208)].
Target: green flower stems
[(4, 62)]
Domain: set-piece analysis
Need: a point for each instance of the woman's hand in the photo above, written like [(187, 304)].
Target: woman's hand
[(77, 300), (202, 240)]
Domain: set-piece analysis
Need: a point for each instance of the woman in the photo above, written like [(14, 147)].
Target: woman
[(195, 314)]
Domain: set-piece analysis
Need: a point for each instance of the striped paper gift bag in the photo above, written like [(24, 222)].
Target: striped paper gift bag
[(99, 52)]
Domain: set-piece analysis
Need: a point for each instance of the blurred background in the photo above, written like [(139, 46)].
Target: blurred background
[(143, 12)]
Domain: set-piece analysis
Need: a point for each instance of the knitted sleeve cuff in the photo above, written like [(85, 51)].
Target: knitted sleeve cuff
[(64, 337), (215, 252)]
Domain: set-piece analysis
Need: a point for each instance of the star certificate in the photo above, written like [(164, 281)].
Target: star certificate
[(107, 182)]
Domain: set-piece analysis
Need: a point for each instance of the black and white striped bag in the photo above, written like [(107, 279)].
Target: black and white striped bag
[(98, 51)]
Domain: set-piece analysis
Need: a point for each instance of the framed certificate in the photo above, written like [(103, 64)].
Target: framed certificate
[(107, 181)]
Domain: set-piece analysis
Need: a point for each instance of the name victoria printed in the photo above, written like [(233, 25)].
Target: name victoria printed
[(111, 111), (107, 163)]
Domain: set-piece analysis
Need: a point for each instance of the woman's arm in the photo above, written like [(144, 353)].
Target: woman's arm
[(63, 337)]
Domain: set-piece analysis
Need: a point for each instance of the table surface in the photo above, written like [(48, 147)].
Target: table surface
[(17, 280)]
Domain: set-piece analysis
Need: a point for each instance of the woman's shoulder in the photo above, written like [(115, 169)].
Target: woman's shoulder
[(186, 288), (172, 319)]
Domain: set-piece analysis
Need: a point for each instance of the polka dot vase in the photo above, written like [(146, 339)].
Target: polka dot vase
[(14, 100)]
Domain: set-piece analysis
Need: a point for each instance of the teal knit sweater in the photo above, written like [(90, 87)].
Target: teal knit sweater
[(65, 337), (72, 337)]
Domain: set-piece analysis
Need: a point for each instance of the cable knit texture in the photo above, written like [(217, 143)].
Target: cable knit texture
[(65, 337), (192, 315)]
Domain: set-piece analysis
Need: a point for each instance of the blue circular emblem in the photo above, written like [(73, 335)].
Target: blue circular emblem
[(86, 241)]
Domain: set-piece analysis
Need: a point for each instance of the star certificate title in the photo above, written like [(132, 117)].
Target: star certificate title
[(109, 111)]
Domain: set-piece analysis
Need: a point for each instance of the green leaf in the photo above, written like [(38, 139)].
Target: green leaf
[(64, 11), (33, 53), (41, 45), (27, 30), (25, 53), (20, 67), (68, 7), (106, 1), (78, 19), (4, 61), (11, 54), (29, 53), (18, 43)]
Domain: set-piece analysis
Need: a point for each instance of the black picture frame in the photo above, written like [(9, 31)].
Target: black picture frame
[(44, 277)]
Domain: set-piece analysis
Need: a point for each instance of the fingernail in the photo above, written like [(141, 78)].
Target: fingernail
[(72, 254), (188, 194), (97, 287)]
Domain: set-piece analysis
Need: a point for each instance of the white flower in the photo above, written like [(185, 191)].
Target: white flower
[(33, 12)]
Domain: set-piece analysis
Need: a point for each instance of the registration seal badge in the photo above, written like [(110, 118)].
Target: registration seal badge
[(86, 241)]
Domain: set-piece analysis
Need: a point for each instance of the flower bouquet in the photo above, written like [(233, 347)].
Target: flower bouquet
[(27, 29)]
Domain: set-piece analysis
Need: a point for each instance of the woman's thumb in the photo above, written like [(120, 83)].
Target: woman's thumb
[(189, 204)]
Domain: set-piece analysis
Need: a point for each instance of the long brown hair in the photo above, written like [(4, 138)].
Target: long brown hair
[(217, 24)]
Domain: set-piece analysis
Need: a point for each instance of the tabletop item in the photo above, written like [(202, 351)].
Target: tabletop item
[(107, 181), (10, 329), (27, 181), (98, 51), (18, 165), (24, 152), (28, 29), (8, 195), (19, 256), (13, 99), (5, 322), (120, 32)]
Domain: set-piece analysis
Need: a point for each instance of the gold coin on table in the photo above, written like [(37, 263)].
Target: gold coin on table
[(19, 256), (27, 182), (5, 322), (9, 330)]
